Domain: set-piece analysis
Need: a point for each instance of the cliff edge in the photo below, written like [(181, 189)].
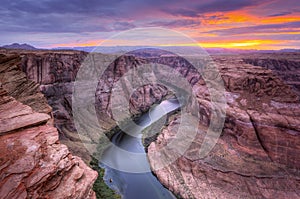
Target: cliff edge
[(257, 153), (33, 163)]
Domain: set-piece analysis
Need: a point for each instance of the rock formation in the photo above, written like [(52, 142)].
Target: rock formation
[(56, 71), (285, 65), (33, 162), (257, 155)]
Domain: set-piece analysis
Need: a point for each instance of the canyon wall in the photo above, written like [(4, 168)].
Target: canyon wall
[(56, 71), (33, 162), (257, 154), (285, 65)]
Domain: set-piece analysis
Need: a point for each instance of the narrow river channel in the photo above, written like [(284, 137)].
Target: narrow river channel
[(136, 185)]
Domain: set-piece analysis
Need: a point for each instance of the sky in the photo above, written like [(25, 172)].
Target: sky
[(241, 24)]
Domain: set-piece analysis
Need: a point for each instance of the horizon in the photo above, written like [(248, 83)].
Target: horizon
[(116, 46), (235, 24)]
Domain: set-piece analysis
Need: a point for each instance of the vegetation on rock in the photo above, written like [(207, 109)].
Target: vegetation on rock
[(101, 189)]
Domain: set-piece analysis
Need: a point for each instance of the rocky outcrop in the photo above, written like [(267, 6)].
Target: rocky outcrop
[(55, 71), (285, 65), (50, 67), (33, 163), (16, 84), (257, 155)]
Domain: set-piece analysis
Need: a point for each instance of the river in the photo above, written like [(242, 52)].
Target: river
[(135, 185)]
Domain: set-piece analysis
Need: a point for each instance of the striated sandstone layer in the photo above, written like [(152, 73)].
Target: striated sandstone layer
[(257, 154), (56, 71), (33, 163), (285, 65)]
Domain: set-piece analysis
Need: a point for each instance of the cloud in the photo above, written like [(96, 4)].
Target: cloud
[(44, 21), (78, 16), (280, 14), (268, 28), (276, 8), (122, 26), (176, 23), (68, 17), (65, 7), (195, 10)]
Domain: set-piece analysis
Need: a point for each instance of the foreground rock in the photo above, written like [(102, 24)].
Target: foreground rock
[(257, 155), (33, 163)]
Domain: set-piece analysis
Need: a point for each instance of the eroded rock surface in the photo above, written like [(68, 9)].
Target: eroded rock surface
[(56, 72), (286, 66), (257, 154), (33, 163)]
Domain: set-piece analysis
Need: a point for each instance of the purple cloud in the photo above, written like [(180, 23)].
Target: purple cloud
[(176, 23), (196, 10), (280, 14)]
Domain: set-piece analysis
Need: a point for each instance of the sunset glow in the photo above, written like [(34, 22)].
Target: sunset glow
[(240, 24)]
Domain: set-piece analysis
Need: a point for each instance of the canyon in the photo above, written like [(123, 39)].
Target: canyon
[(256, 156)]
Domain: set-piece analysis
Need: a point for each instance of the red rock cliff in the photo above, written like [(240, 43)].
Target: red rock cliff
[(33, 163), (257, 155)]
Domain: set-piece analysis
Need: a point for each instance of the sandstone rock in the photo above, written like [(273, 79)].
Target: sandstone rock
[(18, 86), (33, 163), (56, 72), (285, 65), (257, 155)]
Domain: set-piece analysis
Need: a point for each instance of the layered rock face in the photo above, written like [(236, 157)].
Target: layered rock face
[(56, 72), (33, 162), (286, 66), (257, 154), (140, 99)]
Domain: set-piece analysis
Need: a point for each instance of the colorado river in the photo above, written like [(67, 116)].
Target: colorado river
[(135, 185)]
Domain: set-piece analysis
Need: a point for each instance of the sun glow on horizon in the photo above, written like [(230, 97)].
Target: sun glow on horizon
[(239, 44)]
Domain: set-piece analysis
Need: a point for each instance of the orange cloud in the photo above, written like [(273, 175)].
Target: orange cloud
[(231, 18), (280, 19)]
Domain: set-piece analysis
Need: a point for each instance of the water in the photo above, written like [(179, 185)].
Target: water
[(129, 184)]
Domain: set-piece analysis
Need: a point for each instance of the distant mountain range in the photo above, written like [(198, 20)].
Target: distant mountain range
[(120, 49), (123, 49), (19, 46)]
